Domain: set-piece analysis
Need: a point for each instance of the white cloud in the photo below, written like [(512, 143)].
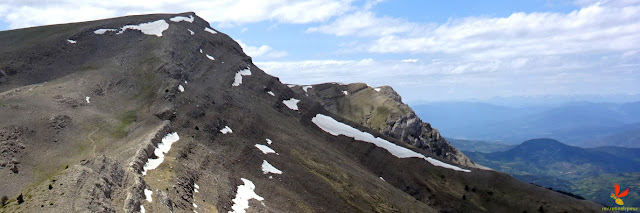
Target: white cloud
[(454, 79), (19, 17), (19, 13), (411, 60), (364, 23), (263, 51), (596, 28)]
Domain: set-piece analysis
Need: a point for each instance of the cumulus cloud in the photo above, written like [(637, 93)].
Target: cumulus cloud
[(410, 60), (445, 79), (590, 50), (365, 23), (263, 51), (20, 13), (598, 27)]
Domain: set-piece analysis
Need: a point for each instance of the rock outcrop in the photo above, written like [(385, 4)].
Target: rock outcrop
[(381, 109)]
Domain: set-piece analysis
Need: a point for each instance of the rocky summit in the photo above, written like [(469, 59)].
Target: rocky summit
[(162, 113), (381, 109)]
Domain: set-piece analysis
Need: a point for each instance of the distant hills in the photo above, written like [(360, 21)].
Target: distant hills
[(549, 157), (479, 146), (628, 137), (583, 124), (582, 171)]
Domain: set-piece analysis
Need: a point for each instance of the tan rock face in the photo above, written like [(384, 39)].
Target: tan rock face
[(381, 109)]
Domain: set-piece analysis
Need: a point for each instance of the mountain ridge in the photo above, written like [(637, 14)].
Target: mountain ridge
[(381, 109), (123, 120)]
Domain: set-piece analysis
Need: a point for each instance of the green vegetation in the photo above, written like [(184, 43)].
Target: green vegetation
[(88, 67), (20, 199), (146, 78), (125, 120), (369, 108), (354, 195), (379, 116), (548, 157), (598, 188), (589, 173), (3, 200)]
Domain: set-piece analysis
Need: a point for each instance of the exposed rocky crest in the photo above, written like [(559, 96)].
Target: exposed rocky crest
[(381, 109), (163, 113)]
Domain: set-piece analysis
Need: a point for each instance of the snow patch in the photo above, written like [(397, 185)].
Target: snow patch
[(151, 28), (191, 32), (245, 193), (182, 18), (210, 30), (147, 195), (87, 99), (376, 89), (161, 150), (238, 79), (291, 85), (271, 93), (71, 41), (180, 88), (210, 57), (291, 103), (200, 50), (305, 88), (142, 209), (345, 92), (226, 130), (265, 149), (102, 31), (382, 179), (194, 205), (336, 128), (196, 187), (269, 141), (268, 168)]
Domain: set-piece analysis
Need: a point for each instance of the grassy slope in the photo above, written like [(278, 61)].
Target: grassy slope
[(366, 106)]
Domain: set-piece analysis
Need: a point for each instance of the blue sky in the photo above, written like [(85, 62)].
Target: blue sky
[(426, 50)]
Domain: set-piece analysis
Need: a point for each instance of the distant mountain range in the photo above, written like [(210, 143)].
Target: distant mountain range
[(579, 123), (549, 157), (550, 163), (479, 146)]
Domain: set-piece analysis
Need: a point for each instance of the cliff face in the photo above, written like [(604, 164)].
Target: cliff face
[(381, 109)]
